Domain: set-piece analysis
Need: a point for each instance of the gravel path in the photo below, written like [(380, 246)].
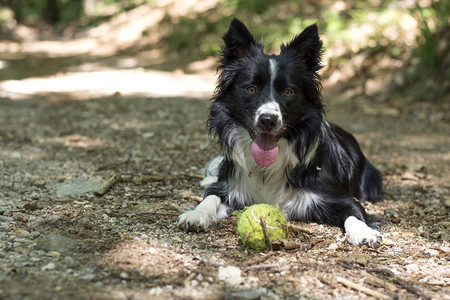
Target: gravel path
[(90, 189)]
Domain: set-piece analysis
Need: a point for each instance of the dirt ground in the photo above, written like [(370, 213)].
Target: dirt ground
[(122, 242)]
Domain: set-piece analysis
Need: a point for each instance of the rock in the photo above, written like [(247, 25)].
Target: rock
[(54, 254), (21, 232), (231, 275), (69, 261), (359, 258), (56, 242), (78, 187), (409, 176), (333, 246), (412, 268), (148, 135), (88, 277), (6, 219), (156, 291), (50, 266), (447, 201), (246, 294), (124, 275), (31, 205), (431, 252), (35, 234)]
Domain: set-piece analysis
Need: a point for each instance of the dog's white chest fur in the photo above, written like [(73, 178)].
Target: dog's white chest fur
[(255, 184)]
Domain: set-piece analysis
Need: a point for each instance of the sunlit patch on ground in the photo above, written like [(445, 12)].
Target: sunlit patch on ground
[(137, 82)]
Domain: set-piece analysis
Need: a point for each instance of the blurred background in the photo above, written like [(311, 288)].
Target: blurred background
[(392, 53)]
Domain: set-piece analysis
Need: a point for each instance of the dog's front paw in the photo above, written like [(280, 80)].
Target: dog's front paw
[(368, 236), (195, 220), (360, 234)]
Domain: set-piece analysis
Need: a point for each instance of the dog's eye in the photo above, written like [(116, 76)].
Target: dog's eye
[(251, 90), (287, 93)]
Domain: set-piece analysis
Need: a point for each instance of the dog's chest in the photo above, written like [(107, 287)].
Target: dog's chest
[(250, 186), (251, 183)]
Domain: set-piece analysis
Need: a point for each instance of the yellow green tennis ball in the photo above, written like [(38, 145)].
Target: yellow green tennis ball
[(249, 225)]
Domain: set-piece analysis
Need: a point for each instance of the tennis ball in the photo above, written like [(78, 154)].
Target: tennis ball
[(249, 225)]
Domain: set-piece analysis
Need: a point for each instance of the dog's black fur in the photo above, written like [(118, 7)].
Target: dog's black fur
[(325, 169)]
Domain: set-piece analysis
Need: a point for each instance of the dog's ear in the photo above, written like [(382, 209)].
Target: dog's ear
[(238, 40), (307, 46)]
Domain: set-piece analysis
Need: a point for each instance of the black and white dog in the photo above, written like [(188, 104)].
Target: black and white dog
[(268, 117)]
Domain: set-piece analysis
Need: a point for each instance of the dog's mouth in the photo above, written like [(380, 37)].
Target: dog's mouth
[(265, 147)]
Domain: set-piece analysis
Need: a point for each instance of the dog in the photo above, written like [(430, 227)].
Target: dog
[(267, 114)]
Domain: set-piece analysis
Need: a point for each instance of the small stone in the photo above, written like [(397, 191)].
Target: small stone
[(56, 242), (333, 246), (246, 294), (68, 260), (50, 266), (431, 252), (54, 254), (361, 259), (412, 268), (34, 195), (231, 275), (447, 201), (194, 283), (156, 291), (409, 176), (78, 187), (124, 275), (88, 277), (6, 219), (39, 183), (148, 135), (33, 205), (35, 234), (21, 232)]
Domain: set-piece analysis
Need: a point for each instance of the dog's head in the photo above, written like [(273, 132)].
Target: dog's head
[(270, 96)]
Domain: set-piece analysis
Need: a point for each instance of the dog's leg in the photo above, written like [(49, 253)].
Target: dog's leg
[(206, 213), (349, 215), (359, 233)]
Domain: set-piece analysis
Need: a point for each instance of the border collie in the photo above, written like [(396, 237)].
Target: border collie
[(268, 116)]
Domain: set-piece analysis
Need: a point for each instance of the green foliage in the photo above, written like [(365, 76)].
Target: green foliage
[(438, 14), (33, 11)]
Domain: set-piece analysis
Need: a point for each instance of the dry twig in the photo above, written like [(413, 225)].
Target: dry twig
[(299, 228), (409, 287), (189, 196), (150, 213), (266, 233), (362, 289), (256, 267), (287, 244), (140, 178), (378, 282), (107, 185), (258, 259)]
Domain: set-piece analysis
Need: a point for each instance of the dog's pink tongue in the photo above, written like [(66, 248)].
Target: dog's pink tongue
[(264, 149)]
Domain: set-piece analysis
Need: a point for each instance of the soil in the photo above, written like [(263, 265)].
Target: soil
[(119, 240)]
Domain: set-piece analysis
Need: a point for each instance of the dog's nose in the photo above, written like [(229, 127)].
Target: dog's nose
[(267, 122)]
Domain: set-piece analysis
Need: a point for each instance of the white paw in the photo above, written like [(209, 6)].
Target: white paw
[(196, 220), (361, 234)]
